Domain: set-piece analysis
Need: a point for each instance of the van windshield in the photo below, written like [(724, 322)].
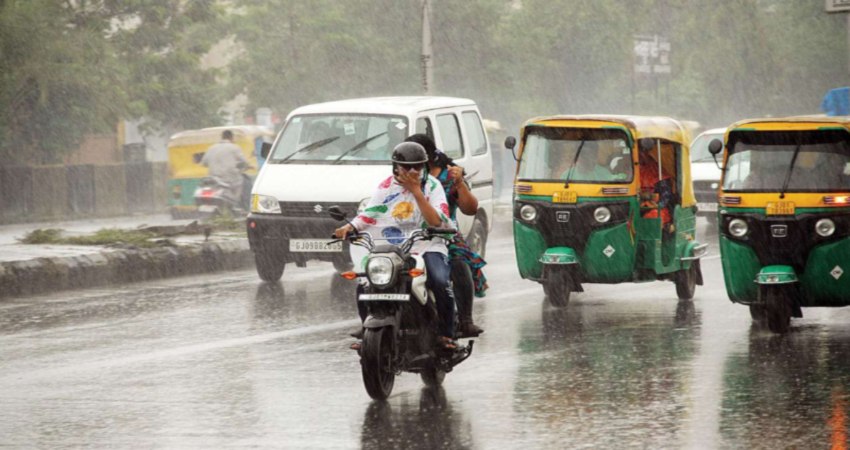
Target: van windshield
[(339, 139), (576, 156), (796, 161)]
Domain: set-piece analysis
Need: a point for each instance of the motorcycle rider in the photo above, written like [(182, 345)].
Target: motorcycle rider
[(458, 195), (226, 162), (411, 199)]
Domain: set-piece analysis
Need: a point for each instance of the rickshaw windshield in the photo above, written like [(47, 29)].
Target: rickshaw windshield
[(339, 139), (576, 154), (808, 161)]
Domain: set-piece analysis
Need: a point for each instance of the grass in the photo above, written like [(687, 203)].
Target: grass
[(130, 237)]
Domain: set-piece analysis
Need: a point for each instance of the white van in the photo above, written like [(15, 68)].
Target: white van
[(336, 153), (706, 173)]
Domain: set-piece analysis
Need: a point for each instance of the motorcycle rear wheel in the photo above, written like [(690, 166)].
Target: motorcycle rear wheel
[(376, 362)]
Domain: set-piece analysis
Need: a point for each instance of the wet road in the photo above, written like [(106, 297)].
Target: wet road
[(225, 360)]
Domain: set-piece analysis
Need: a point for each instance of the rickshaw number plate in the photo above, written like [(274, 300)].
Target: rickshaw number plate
[(707, 207), (313, 245), (564, 197), (780, 208)]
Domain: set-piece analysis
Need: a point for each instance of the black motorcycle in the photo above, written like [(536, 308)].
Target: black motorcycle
[(211, 198), (400, 330)]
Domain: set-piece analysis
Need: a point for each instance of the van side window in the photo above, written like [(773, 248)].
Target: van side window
[(450, 135), (423, 125), (474, 133)]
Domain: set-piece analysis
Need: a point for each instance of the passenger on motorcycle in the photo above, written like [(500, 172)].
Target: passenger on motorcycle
[(458, 195), (411, 199)]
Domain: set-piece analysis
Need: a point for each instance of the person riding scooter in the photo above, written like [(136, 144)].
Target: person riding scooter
[(411, 199), (226, 162)]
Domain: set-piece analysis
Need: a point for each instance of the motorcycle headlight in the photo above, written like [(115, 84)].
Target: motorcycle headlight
[(602, 214), (265, 204), (528, 213), (825, 227), (738, 227), (380, 271)]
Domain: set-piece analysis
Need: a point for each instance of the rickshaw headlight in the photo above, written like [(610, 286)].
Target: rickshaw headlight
[(528, 213), (738, 227), (602, 214), (265, 204), (380, 271), (825, 227)]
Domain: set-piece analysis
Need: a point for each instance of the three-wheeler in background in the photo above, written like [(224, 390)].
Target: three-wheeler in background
[(784, 215), (604, 199)]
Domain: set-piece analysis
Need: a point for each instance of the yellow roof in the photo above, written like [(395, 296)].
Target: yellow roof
[(655, 127), (213, 134), (792, 123)]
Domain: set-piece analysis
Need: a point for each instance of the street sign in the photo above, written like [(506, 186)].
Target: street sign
[(652, 54), (837, 6)]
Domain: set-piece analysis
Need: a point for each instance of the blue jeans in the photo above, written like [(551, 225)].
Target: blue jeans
[(439, 280)]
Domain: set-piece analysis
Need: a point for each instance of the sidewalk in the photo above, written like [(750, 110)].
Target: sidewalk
[(27, 269)]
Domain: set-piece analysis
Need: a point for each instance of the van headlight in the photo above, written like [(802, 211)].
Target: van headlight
[(264, 204), (602, 214), (738, 227), (380, 271), (528, 213), (825, 227)]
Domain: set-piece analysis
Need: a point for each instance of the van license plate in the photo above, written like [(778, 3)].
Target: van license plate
[(707, 207), (389, 297), (313, 245)]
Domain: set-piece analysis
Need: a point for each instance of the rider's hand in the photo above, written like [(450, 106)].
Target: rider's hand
[(456, 174), (343, 231), (409, 180)]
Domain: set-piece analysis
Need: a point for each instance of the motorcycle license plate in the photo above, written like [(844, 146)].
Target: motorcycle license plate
[(313, 245), (206, 208), (385, 297), (707, 207)]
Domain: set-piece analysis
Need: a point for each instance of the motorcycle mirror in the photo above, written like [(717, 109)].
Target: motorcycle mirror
[(265, 149), (337, 213)]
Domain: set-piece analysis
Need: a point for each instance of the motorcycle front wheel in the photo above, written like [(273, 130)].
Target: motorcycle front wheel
[(376, 362)]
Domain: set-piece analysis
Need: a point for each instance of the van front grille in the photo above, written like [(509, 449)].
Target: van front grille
[(316, 209)]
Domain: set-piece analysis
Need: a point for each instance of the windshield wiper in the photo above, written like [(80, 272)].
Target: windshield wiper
[(570, 171), (790, 169), (358, 146), (307, 148)]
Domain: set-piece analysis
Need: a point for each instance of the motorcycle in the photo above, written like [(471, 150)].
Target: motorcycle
[(400, 330), (212, 200)]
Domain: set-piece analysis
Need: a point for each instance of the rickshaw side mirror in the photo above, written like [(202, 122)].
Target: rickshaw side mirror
[(197, 157), (510, 144), (265, 149), (646, 144), (715, 146)]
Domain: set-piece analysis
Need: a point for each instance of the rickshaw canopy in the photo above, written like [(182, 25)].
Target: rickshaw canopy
[(184, 145)]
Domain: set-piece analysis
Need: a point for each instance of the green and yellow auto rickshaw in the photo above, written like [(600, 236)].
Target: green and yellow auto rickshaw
[(187, 147), (604, 199), (784, 215)]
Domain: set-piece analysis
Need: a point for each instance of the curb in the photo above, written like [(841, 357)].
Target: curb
[(41, 275)]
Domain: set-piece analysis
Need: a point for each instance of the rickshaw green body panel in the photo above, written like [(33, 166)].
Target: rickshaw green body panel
[(186, 187), (740, 267)]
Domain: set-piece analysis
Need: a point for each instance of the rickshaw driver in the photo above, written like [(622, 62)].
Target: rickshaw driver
[(652, 183), (587, 167)]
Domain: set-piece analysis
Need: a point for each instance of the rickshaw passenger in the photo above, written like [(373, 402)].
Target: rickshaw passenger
[(650, 183)]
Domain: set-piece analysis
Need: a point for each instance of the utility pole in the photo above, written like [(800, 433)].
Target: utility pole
[(427, 59)]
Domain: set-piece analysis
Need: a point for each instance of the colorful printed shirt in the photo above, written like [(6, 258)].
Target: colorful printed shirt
[(392, 214)]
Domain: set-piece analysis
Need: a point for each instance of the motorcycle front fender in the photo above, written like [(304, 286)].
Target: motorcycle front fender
[(559, 255), (378, 322), (777, 274)]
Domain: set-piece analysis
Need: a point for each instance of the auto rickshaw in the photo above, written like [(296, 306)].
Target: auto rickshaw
[(604, 199), (784, 216), (186, 148)]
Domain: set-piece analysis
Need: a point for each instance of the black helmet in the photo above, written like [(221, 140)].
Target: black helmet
[(426, 142), (409, 153)]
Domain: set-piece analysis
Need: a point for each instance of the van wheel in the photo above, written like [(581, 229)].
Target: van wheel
[(269, 266), (477, 239)]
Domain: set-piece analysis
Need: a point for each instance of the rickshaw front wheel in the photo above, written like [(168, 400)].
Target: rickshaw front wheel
[(757, 313), (557, 289), (686, 282), (777, 308)]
